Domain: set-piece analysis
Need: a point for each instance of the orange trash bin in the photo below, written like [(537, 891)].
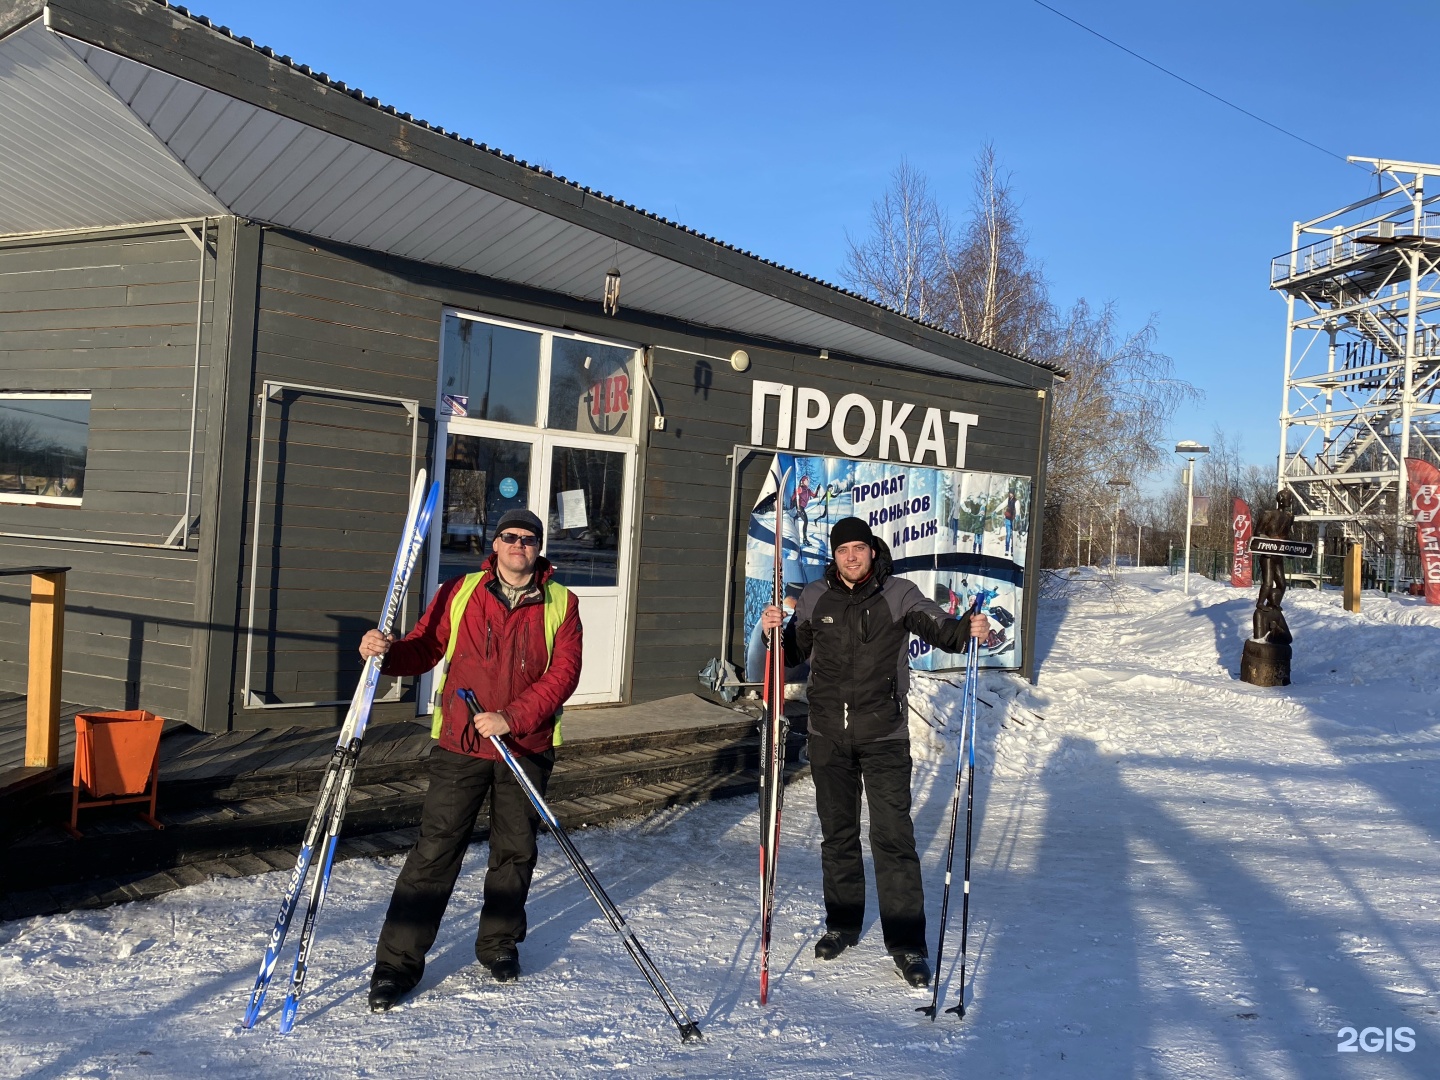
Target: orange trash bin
[(117, 760)]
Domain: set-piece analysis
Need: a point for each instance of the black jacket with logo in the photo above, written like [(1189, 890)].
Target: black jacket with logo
[(857, 641)]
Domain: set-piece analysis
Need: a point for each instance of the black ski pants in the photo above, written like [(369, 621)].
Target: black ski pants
[(882, 768), (459, 786)]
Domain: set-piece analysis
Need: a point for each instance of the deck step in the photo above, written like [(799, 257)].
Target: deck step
[(258, 838)]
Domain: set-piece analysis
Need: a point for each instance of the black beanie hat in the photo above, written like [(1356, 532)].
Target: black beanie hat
[(521, 519), (850, 529)]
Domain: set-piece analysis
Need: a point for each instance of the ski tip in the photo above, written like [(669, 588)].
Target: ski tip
[(691, 1033), (287, 1017), (928, 1010)]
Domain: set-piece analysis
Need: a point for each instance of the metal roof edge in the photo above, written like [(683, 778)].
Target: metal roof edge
[(191, 47)]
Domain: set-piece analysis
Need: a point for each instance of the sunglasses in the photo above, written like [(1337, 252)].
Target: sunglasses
[(522, 539)]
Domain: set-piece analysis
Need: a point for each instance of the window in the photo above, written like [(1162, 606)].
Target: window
[(43, 441), (491, 372), (535, 377), (590, 387)]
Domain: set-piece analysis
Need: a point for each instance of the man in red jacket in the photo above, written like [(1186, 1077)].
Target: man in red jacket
[(515, 642)]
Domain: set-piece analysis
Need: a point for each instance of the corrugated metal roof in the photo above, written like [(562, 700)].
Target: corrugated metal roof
[(74, 156), (273, 168)]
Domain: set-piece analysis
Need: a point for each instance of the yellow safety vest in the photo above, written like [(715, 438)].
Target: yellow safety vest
[(557, 603)]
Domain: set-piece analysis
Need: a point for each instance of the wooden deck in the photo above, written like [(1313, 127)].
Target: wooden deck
[(12, 732), (237, 803)]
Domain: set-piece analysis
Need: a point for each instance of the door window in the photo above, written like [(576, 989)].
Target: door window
[(582, 536), (484, 477)]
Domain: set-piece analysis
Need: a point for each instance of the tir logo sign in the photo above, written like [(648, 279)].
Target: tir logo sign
[(608, 400)]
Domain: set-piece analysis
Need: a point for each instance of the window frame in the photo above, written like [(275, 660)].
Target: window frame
[(548, 334), (10, 498)]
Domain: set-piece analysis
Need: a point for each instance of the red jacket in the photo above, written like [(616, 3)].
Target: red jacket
[(501, 657)]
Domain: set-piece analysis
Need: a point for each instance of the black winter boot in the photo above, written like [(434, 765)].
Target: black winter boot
[(386, 990), (506, 966), (913, 968), (833, 942)]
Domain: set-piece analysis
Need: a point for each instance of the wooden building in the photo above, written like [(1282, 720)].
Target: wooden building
[(241, 303)]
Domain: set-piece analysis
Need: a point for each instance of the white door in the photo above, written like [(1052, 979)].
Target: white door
[(587, 537), (581, 489), (542, 420)]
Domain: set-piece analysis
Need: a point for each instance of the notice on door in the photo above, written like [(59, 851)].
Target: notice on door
[(570, 508)]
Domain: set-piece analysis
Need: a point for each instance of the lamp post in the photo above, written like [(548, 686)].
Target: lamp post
[(1139, 532), (1191, 450), (1119, 485)]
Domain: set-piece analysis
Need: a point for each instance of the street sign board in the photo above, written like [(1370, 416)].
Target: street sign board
[(1295, 549)]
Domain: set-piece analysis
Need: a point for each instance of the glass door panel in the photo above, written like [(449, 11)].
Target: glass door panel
[(588, 522), (585, 505), (484, 477)]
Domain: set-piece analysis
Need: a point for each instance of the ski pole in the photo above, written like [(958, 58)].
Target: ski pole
[(967, 717), (959, 1006), (774, 734), (669, 1000)]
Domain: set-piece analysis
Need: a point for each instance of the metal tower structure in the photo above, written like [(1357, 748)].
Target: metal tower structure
[(1362, 356)]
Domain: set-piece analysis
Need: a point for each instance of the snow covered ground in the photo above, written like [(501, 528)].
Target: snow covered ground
[(1177, 875)]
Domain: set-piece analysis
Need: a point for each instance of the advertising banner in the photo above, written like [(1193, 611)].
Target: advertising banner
[(1243, 523), (957, 535), (1425, 503)]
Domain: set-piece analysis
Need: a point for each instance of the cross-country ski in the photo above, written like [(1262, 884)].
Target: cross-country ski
[(323, 833)]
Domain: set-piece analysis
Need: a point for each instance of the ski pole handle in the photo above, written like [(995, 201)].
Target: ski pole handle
[(473, 704)]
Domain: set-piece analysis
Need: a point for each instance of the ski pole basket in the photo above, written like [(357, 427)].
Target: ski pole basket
[(117, 760)]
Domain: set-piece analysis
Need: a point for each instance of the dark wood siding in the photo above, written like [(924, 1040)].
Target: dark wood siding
[(114, 314), (340, 317), (336, 479)]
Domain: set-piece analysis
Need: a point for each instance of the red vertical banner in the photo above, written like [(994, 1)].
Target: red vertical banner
[(1425, 503), (1244, 525)]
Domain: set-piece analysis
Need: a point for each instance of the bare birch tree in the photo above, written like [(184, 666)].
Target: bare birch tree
[(993, 293), (898, 264), (1110, 414)]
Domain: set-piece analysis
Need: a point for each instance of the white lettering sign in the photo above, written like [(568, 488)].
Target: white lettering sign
[(843, 408), (890, 429), (801, 410), (810, 419), (759, 391)]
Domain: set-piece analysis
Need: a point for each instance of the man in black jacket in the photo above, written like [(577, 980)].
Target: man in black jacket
[(854, 626)]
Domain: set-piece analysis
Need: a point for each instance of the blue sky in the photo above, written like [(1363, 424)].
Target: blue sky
[(774, 126)]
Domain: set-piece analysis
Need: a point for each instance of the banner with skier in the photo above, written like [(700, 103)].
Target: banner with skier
[(958, 535)]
